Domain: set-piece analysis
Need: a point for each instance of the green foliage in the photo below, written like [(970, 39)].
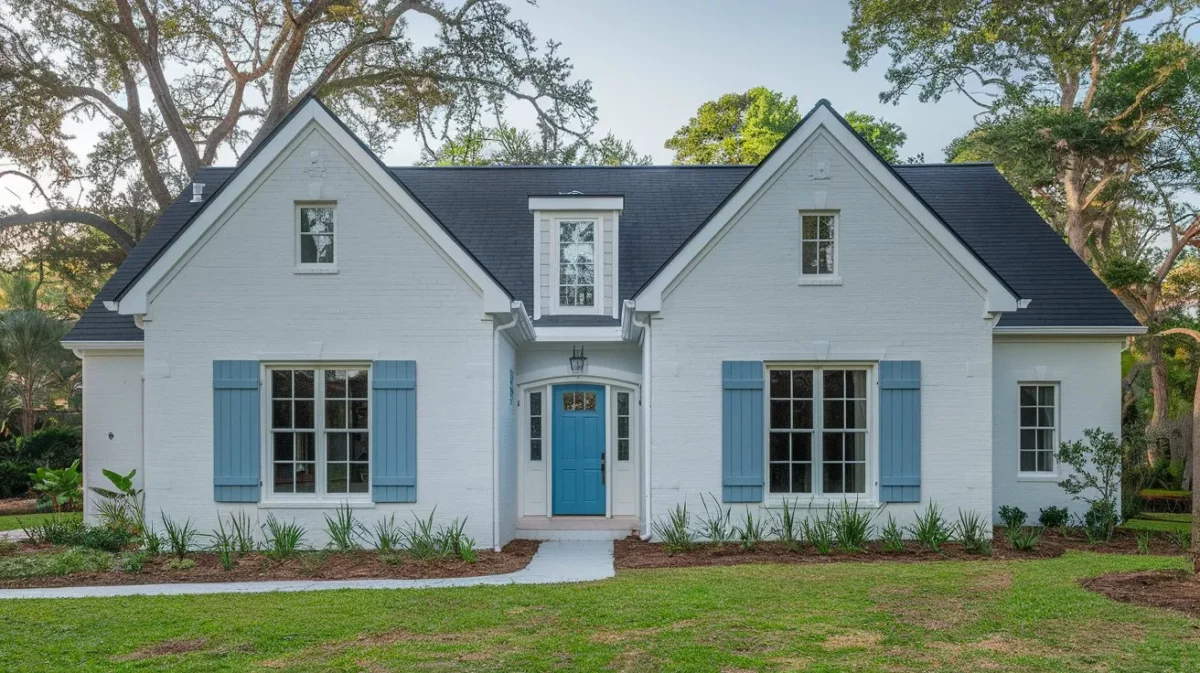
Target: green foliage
[(14, 479), (508, 146), (133, 562), (1054, 516), (715, 525), (1100, 521), (885, 137), (70, 532), (893, 537), (851, 526), (181, 537), (820, 533), (1012, 517), (1096, 479), (1024, 538), (343, 529), (788, 528), (30, 341), (389, 538), (931, 529), (1182, 539), (282, 539), (976, 532), (751, 533), (54, 564), (237, 537), (63, 486), (675, 533), (53, 446), (425, 540), (1143, 538), (1119, 271), (181, 564)]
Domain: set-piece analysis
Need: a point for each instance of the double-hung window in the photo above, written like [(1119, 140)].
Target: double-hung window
[(1038, 432), (818, 244), (577, 263), (315, 238), (320, 438), (818, 431)]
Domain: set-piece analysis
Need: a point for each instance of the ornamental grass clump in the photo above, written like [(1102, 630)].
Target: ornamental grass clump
[(1024, 538), (788, 528), (716, 525), (283, 540), (1143, 541), (675, 532), (751, 532), (892, 536), (388, 537), (851, 526), (975, 532), (931, 529), (819, 533), (181, 537), (343, 529)]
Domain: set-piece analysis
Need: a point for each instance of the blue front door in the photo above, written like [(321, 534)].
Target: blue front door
[(578, 450)]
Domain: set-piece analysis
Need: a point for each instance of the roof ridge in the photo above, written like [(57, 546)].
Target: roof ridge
[(573, 167), (947, 164)]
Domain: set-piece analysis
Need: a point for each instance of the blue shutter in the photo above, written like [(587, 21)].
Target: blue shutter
[(900, 431), (394, 431), (742, 431), (236, 434)]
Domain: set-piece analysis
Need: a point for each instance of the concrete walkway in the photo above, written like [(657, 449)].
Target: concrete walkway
[(555, 562)]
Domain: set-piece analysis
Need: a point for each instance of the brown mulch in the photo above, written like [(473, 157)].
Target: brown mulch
[(1172, 589), (632, 553), (17, 506), (304, 566)]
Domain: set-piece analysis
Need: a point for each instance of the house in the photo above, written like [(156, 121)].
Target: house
[(557, 352)]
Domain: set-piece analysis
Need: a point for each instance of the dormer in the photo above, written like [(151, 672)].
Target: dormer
[(575, 251)]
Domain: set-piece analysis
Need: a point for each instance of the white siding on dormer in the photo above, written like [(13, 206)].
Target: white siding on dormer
[(606, 253), (546, 262)]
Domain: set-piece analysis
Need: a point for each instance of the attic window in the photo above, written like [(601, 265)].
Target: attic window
[(818, 244), (315, 236), (577, 263)]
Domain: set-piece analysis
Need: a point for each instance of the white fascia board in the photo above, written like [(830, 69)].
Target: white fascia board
[(103, 345), (578, 334), (998, 296), (135, 300), (1070, 331), (577, 203)]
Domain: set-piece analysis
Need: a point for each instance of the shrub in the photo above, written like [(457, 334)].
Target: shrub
[(388, 536), (424, 542), (893, 538), (1182, 539), (788, 528), (14, 479), (851, 526), (1012, 517), (1096, 479), (1100, 521), (53, 446), (976, 532), (343, 530), (55, 564), (675, 533), (750, 533), (715, 525), (133, 562), (931, 530), (819, 533), (282, 539), (181, 537), (63, 486), (1024, 538), (1143, 541), (121, 507), (74, 533), (1054, 516)]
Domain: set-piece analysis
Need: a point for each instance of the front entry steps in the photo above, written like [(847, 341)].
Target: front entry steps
[(577, 527)]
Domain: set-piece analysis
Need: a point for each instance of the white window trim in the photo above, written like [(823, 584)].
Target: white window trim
[(1053, 474), (267, 447), (868, 499), (315, 267), (815, 278), (597, 221)]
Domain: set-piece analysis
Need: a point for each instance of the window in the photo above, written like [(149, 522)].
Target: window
[(579, 401), (326, 453), (1038, 427), (535, 426), (316, 235), (818, 233), (622, 426), (577, 263), (818, 431)]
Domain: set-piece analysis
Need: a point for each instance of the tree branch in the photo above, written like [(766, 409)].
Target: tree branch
[(102, 224)]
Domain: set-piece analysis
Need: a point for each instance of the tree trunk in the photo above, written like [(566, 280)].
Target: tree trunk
[(1158, 381)]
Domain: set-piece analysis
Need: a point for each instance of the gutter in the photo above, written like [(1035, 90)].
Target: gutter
[(1071, 331), (520, 320)]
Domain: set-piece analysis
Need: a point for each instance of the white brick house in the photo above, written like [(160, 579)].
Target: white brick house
[(558, 351)]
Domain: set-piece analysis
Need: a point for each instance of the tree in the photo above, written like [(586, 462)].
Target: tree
[(174, 83), (29, 340), (509, 146), (1195, 453), (743, 128)]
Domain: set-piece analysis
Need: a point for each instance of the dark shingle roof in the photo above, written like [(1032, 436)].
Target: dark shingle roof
[(486, 209)]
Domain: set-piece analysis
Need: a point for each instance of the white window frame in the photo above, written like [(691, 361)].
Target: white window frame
[(267, 446), (315, 267), (598, 262), (815, 277), (818, 498), (1053, 473)]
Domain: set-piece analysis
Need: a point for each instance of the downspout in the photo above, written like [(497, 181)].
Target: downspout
[(496, 429), (647, 397)]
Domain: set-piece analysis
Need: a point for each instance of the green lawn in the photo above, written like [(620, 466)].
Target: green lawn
[(942, 616), (1159, 521), (14, 521)]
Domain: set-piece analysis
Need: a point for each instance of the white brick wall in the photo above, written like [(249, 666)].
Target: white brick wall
[(395, 296), (112, 397), (1088, 372), (900, 300)]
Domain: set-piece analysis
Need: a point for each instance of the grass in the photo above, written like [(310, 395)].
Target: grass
[(1160, 522), (13, 521), (940, 616)]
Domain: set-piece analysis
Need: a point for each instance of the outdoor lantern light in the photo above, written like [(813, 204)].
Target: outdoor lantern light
[(578, 360)]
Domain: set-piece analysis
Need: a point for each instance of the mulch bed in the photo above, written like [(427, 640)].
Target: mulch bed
[(632, 553), (1173, 589), (303, 566)]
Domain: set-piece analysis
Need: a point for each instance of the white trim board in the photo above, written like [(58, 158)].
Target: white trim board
[(997, 296), (135, 299), (576, 202)]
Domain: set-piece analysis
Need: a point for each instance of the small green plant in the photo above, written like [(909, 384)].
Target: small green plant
[(74, 533), (152, 541), (715, 525), (181, 537), (466, 550), (1143, 541), (819, 533), (1182, 539), (931, 529), (893, 538), (133, 562), (788, 528), (423, 539), (675, 533), (1100, 521), (976, 532), (181, 564), (64, 487), (282, 539), (57, 564), (343, 529), (389, 538), (1054, 517), (241, 533), (224, 542), (7, 546), (750, 533), (1024, 538), (851, 526), (1012, 517), (454, 541)]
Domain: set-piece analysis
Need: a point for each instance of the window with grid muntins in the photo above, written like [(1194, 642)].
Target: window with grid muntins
[(818, 243), (577, 263), (817, 431), (623, 426), (325, 452), (317, 235), (1038, 427), (535, 426)]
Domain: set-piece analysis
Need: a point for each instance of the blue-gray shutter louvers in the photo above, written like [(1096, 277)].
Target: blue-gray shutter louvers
[(742, 431), (236, 431), (900, 431), (394, 431)]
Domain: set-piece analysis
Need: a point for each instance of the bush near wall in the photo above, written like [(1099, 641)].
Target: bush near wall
[(53, 447)]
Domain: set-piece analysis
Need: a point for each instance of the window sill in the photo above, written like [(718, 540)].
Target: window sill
[(315, 504), (316, 270), (822, 503), (1048, 477), (819, 280)]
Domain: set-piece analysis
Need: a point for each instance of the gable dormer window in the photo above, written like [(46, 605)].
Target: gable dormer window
[(316, 236), (577, 263)]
